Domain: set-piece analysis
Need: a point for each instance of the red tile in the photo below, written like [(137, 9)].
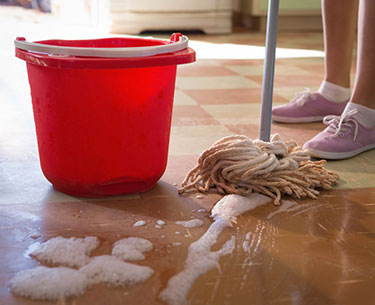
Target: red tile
[(300, 133), (317, 69), (239, 62), (197, 70), (191, 115), (291, 80), (228, 96)]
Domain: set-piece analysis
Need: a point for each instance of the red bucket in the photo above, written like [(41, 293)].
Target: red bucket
[(102, 110)]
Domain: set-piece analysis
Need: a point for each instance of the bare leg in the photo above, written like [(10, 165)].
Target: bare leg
[(339, 23), (364, 85)]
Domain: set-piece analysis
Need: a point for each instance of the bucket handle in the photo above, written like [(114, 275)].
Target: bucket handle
[(178, 42)]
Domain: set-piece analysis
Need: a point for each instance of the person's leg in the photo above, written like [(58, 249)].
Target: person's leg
[(354, 131), (364, 85), (363, 97), (339, 24)]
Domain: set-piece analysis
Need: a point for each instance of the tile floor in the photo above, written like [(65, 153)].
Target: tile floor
[(320, 252)]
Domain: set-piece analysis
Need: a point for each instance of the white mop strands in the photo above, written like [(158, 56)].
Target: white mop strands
[(240, 165)]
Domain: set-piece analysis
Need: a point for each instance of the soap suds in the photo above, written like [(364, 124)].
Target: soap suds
[(160, 222), (201, 210), (139, 223), (176, 244), (232, 206), (71, 252), (115, 272), (158, 226), (200, 258), (246, 245), (199, 261), (131, 248), (194, 223), (30, 249), (43, 283)]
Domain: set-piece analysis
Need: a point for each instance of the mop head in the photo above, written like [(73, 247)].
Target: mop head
[(239, 165)]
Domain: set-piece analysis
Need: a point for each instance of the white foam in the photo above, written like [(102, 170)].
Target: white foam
[(200, 258), (139, 223), (115, 272), (160, 222), (199, 261), (72, 252), (176, 244), (231, 206), (43, 283), (158, 226), (131, 248), (193, 223)]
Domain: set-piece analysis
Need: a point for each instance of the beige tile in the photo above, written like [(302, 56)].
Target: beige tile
[(235, 114), (182, 99), (192, 140), (247, 69), (258, 70), (290, 92), (219, 82), (289, 70), (357, 172), (205, 63)]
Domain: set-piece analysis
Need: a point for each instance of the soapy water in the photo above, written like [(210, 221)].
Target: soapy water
[(200, 259), (287, 206), (160, 222), (139, 223), (71, 252), (193, 223), (114, 272), (44, 283), (131, 248)]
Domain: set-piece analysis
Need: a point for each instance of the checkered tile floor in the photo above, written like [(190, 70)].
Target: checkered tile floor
[(220, 97)]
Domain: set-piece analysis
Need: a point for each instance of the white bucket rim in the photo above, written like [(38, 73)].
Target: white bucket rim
[(172, 46)]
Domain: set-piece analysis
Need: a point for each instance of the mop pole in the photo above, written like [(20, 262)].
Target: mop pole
[(268, 71)]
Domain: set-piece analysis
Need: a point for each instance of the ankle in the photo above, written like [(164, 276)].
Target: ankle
[(364, 115), (342, 82), (334, 93)]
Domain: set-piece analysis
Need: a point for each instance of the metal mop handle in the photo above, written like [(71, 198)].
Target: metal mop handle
[(268, 72)]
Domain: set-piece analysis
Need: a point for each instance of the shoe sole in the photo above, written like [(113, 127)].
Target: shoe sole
[(315, 153), (311, 119)]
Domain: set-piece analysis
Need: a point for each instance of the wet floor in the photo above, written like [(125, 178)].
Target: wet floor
[(303, 252)]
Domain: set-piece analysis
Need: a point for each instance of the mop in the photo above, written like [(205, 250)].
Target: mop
[(268, 165)]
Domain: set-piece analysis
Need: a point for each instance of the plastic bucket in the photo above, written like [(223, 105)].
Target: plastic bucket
[(102, 110)]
